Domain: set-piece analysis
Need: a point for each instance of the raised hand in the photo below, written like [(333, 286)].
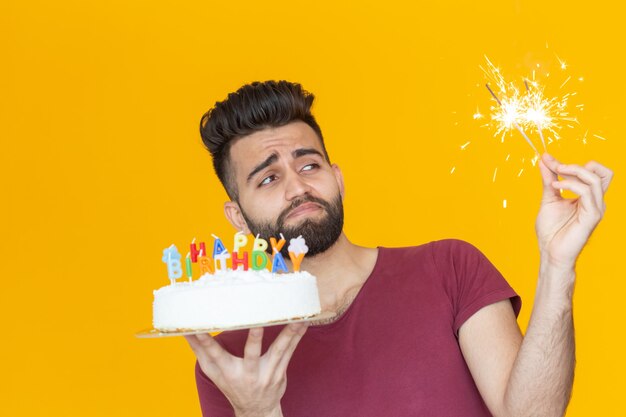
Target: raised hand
[(564, 225), (254, 384)]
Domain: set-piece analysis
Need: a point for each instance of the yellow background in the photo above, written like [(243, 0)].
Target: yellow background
[(102, 166)]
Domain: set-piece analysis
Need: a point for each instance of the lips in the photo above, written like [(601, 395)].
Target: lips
[(303, 209)]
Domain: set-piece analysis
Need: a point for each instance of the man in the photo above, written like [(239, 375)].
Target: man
[(429, 330)]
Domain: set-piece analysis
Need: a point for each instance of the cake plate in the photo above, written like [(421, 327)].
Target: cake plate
[(154, 333)]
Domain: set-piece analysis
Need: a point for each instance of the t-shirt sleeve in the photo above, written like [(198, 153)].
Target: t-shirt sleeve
[(470, 280), (212, 402)]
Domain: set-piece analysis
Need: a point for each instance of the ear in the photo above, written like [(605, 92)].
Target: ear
[(339, 178), (234, 216)]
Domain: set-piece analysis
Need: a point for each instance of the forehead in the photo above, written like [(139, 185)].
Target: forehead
[(249, 150)]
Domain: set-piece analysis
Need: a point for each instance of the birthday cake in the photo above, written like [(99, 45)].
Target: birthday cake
[(246, 293)]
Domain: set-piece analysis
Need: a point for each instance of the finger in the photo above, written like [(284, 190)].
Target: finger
[(586, 199), (548, 176), (550, 161), (588, 178), (209, 346), (252, 350), (193, 341), (285, 344), (284, 362), (605, 174), (207, 365)]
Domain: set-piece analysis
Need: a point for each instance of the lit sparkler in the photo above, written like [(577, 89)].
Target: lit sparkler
[(528, 110), (524, 108), (508, 115)]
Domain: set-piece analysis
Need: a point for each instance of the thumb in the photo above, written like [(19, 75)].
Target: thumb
[(547, 167)]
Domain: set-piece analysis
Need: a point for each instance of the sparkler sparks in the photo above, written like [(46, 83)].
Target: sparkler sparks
[(536, 106), (528, 110)]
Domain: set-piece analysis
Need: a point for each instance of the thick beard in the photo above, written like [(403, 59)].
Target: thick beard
[(319, 235)]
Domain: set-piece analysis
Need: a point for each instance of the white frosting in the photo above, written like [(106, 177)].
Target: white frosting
[(234, 298)]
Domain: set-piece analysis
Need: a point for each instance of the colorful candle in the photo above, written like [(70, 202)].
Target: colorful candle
[(259, 260), (241, 240), (188, 265), (220, 261), (297, 248), (277, 246), (259, 245), (218, 247), (278, 263), (237, 260), (194, 250), (206, 265), (171, 257)]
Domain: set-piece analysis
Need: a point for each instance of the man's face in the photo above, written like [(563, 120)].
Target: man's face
[(285, 185)]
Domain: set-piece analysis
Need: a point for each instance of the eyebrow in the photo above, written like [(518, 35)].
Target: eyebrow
[(274, 157), (269, 161), (305, 151)]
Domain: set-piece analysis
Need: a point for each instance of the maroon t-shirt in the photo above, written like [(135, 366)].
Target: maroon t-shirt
[(395, 351)]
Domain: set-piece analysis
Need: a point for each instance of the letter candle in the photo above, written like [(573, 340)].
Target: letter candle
[(206, 265), (278, 263), (218, 247), (194, 250), (241, 240), (277, 246), (171, 257), (259, 244), (297, 248), (188, 265)]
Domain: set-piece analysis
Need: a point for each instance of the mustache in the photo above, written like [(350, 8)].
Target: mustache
[(296, 203)]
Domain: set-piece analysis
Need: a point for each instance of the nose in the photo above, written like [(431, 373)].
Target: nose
[(296, 186)]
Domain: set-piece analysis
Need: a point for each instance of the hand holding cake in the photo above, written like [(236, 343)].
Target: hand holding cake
[(245, 294), (255, 383)]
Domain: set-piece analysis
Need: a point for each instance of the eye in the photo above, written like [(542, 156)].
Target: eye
[(267, 180), (310, 167)]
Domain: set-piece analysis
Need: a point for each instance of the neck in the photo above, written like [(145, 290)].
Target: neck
[(340, 271)]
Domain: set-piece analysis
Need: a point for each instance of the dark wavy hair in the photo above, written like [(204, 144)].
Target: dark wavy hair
[(254, 107)]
